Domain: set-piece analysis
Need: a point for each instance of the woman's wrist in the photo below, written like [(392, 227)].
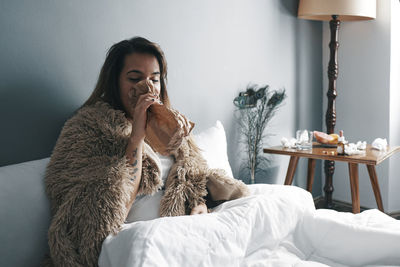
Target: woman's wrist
[(138, 133), (135, 143), (136, 138)]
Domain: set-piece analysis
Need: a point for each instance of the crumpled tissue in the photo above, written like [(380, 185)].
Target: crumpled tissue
[(361, 145), (380, 144), (288, 143), (353, 149)]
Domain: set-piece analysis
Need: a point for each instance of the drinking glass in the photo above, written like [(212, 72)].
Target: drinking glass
[(304, 139)]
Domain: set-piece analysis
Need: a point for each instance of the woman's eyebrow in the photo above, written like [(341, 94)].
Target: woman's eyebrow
[(139, 72), (135, 71)]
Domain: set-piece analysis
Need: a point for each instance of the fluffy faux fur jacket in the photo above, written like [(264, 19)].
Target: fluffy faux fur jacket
[(88, 183)]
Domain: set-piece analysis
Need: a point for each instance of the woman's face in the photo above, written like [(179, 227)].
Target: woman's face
[(138, 67)]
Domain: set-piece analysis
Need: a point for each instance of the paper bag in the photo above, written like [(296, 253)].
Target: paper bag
[(166, 128)]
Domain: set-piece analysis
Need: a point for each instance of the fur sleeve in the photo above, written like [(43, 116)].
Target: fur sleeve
[(87, 182), (190, 180), (186, 183)]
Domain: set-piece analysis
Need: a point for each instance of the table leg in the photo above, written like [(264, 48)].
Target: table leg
[(291, 170), (310, 174), (375, 186), (355, 193)]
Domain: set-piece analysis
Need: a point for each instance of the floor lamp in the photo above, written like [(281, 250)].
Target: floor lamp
[(334, 11)]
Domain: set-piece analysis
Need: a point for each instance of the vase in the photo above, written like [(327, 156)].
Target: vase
[(252, 176)]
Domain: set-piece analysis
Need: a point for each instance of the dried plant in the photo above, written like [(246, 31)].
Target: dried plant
[(256, 107)]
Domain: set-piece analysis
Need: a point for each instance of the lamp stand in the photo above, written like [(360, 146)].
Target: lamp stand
[(330, 117)]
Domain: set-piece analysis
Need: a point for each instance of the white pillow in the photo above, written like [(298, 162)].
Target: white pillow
[(212, 143)]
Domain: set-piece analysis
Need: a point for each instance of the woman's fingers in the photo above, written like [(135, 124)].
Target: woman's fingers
[(194, 212), (146, 100), (199, 209), (143, 103), (142, 89)]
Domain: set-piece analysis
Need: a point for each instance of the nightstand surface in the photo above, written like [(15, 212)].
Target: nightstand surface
[(371, 156)]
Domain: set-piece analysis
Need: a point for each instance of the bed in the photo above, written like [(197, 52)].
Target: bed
[(276, 225)]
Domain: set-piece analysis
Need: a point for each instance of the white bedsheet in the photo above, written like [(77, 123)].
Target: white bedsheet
[(275, 226)]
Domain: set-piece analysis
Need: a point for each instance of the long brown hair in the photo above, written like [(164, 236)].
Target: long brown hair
[(107, 87)]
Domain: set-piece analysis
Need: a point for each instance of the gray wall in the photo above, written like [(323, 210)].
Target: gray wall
[(394, 166), (52, 52)]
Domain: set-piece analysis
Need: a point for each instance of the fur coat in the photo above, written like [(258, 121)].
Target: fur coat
[(88, 183)]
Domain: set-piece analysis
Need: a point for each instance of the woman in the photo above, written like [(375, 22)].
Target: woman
[(102, 161)]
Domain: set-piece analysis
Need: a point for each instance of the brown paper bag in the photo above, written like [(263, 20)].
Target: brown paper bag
[(165, 128)]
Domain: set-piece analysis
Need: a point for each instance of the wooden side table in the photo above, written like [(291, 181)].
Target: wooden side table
[(371, 158)]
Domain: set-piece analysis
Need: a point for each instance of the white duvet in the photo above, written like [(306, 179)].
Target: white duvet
[(276, 226)]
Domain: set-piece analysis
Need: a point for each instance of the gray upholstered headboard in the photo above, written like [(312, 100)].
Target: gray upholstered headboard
[(24, 214)]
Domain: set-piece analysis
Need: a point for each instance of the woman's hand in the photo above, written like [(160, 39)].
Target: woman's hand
[(141, 98), (199, 209)]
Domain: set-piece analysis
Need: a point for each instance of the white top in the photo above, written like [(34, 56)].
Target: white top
[(147, 207)]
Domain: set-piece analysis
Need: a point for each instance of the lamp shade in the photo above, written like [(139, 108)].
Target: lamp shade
[(345, 9)]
